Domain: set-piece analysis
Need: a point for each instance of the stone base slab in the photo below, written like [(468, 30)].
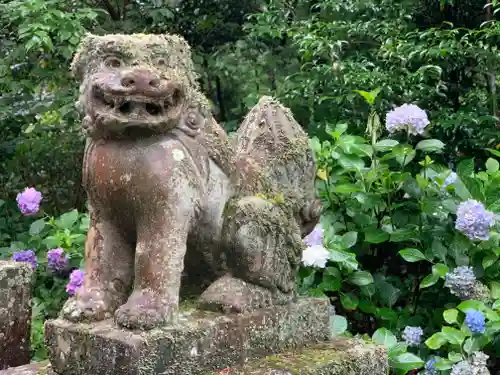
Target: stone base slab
[(199, 342)]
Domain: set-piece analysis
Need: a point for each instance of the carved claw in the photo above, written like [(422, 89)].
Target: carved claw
[(92, 305), (144, 310)]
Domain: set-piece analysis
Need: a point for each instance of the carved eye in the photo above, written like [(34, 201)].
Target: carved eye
[(161, 61), (113, 62)]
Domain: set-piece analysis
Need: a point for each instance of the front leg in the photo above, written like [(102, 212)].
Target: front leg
[(159, 262), (109, 264)]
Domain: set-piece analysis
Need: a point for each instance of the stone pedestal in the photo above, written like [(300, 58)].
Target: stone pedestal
[(15, 313), (336, 357), (198, 343)]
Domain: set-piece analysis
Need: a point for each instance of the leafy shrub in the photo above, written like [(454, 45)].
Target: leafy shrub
[(54, 246), (407, 247)]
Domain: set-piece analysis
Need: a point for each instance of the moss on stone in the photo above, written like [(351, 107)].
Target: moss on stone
[(338, 357)]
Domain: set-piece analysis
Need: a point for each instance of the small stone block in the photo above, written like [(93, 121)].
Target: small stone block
[(15, 313), (337, 357), (199, 341)]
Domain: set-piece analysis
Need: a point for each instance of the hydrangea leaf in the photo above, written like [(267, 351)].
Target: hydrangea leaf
[(385, 337), (443, 364), (429, 280), (360, 278), (440, 270), (375, 235), (338, 325), (67, 220), (407, 362), (349, 301), (471, 305), (450, 316), (386, 144), (430, 145), (455, 357), (492, 165), (489, 260), (453, 335), (412, 255), (37, 226), (496, 304), (495, 289), (473, 344), (436, 341)]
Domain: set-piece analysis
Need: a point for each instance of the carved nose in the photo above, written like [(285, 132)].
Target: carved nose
[(140, 80)]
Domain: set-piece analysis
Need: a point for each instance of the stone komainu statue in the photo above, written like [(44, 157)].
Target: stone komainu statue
[(172, 201)]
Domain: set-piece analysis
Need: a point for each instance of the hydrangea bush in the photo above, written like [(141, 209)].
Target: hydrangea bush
[(53, 246), (407, 249)]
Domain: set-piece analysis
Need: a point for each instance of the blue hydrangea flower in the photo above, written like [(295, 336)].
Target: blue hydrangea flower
[(407, 117), (26, 256), (450, 180), (461, 282), (57, 260), (412, 335), (75, 282), (475, 321), (29, 201), (429, 367), (314, 238), (474, 220)]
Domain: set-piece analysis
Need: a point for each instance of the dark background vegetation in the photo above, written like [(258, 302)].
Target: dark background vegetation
[(310, 54)]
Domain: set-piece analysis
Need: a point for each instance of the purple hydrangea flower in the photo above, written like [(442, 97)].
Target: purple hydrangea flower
[(315, 237), (26, 256), (461, 282), (475, 320), (429, 367), (474, 220), (412, 335), (407, 117), (57, 260), (75, 282), (29, 201)]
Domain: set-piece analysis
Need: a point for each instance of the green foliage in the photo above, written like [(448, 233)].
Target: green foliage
[(67, 232), (389, 227)]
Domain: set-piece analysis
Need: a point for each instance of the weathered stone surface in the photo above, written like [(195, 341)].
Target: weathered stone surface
[(337, 357), (172, 201), (40, 368), (197, 343), (15, 313)]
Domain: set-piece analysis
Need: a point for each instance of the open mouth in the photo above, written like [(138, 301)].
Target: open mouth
[(136, 105)]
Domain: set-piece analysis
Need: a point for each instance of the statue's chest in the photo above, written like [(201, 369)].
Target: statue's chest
[(109, 169)]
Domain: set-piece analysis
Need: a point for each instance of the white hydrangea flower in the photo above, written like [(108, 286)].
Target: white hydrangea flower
[(315, 256)]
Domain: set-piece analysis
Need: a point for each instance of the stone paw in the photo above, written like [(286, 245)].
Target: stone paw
[(90, 305), (232, 295), (145, 311)]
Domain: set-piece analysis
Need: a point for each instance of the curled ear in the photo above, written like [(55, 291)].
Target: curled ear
[(192, 122), (82, 56)]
